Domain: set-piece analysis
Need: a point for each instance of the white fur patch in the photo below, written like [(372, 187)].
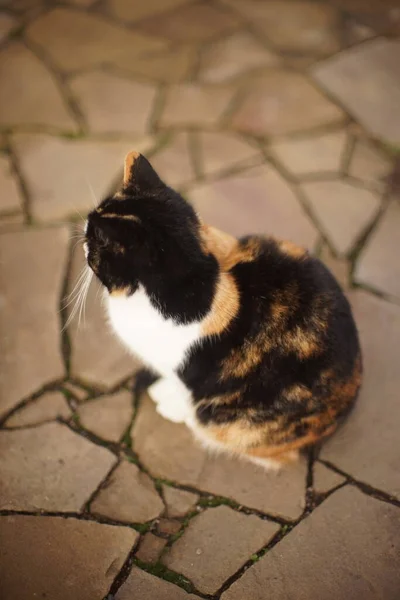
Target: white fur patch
[(172, 398), (159, 342)]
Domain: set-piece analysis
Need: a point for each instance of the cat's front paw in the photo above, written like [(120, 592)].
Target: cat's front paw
[(172, 412), (172, 399)]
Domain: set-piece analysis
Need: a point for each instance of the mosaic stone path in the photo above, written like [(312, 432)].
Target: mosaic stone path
[(270, 116)]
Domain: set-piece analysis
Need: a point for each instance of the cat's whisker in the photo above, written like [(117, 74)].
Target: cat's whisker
[(86, 285), (80, 214), (76, 287), (80, 295)]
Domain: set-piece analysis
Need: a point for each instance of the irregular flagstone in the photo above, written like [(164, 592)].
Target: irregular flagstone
[(342, 554), (222, 151), (29, 316), (174, 162), (366, 80), (282, 102), (10, 196), (79, 40), (135, 11), (196, 22), (369, 165), (281, 494), (325, 479), (28, 93), (97, 356), (179, 502), (49, 467), (174, 454), (293, 26), (168, 526), (233, 56), (216, 544), (129, 495), (63, 175), (194, 105), (108, 417), (312, 154), (112, 104), (365, 447), (148, 587), (378, 264), (46, 408), (343, 210), (258, 200), (150, 548), (172, 65), (51, 557)]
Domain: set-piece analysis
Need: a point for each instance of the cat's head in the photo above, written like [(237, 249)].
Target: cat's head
[(144, 232)]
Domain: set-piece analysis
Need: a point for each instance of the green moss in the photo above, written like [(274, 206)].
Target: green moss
[(212, 501), (254, 558), (142, 527), (161, 571)]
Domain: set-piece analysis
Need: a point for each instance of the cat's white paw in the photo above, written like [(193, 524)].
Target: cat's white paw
[(172, 399), (172, 411)]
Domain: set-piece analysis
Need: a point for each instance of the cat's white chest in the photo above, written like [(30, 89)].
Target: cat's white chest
[(159, 342)]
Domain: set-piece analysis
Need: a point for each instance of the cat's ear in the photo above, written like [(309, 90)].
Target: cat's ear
[(139, 172)]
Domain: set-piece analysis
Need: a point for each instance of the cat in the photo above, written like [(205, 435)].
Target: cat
[(251, 341)]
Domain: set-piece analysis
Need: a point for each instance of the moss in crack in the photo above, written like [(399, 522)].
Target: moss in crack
[(213, 501), (143, 527), (161, 571)]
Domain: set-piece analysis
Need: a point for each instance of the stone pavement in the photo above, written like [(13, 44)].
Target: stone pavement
[(275, 116)]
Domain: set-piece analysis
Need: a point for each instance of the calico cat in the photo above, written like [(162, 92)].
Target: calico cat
[(251, 341)]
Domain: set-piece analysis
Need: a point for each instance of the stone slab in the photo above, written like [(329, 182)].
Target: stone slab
[(49, 467), (80, 40), (109, 416), (366, 80), (147, 587), (257, 200), (129, 496), (216, 544), (65, 177), (352, 543), (280, 102), (378, 264), (343, 210), (30, 330), (56, 558), (112, 104), (46, 408), (28, 94)]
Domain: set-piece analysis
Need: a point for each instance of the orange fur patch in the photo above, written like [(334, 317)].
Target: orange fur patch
[(224, 308), (129, 161), (291, 249), (227, 249)]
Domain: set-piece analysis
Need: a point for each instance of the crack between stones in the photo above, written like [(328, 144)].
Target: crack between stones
[(366, 488)]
